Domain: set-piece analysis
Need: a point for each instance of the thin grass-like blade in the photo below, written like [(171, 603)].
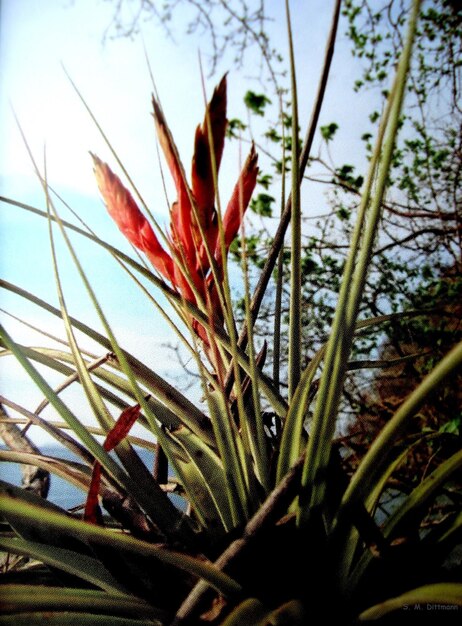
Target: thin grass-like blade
[(70, 618), (210, 468), (17, 598), (455, 529), (291, 442), (228, 448), (166, 392), (62, 426), (295, 313), (177, 403), (438, 593), (80, 430), (52, 521), (33, 531), (411, 509), (80, 565), (195, 487), (420, 496), (74, 473), (53, 429), (148, 493), (56, 360), (250, 611)]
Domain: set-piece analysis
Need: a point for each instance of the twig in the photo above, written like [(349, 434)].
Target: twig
[(97, 362)]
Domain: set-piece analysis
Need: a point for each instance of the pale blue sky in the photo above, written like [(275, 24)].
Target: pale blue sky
[(37, 38)]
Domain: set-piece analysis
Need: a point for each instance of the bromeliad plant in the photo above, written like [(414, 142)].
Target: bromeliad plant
[(274, 531)]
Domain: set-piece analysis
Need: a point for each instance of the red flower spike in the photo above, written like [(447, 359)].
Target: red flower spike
[(194, 221), (117, 433), (128, 217)]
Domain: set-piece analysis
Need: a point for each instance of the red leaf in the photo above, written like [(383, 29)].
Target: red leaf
[(122, 427), (118, 432), (92, 512)]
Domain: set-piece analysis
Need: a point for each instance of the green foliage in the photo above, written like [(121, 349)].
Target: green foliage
[(262, 204), (265, 180), (235, 128), (256, 102), (345, 175), (329, 131)]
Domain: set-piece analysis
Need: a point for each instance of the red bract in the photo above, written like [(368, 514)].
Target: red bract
[(117, 433), (125, 212), (194, 238)]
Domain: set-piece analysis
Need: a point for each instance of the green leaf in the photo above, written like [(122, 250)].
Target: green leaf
[(256, 102), (273, 135), (75, 473), (265, 180), (291, 436), (234, 128), (376, 459), (262, 205), (453, 426), (213, 481), (171, 397), (19, 598), (52, 522), (69, 618), (420, 496), (251, 611), (80, 565), (194, 486), (156, 502), (228, 447), (447, 594), (313, 492), (177, 407), (295, 302), (290, 613), (329, 131)]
